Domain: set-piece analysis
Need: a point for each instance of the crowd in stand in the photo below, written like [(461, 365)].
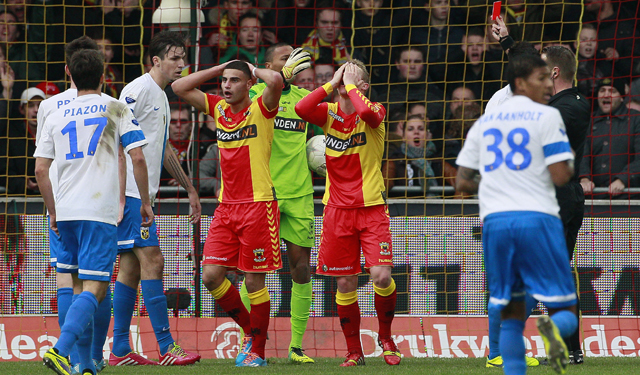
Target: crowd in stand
[(434, 64)]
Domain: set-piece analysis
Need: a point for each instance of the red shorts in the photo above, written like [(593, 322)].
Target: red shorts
[(245, 236), (345, 231)]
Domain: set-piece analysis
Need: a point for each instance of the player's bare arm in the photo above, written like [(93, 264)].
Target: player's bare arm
[(174, 168), (142, 181), (186, 87), (273, 80), (42, 176), (372, 114), (561, 172), (467, 180), (311, 108)]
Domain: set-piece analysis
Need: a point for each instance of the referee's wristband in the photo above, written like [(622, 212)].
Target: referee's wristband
[(328, 87), (350, 87), (507, 42)]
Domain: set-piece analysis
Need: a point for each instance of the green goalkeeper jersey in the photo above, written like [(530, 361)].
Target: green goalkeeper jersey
[(289, 169)]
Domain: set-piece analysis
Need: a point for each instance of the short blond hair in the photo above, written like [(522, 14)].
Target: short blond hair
[(365, 74)]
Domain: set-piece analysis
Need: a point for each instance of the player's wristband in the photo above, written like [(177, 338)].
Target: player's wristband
[(350, 87), (328, 87)]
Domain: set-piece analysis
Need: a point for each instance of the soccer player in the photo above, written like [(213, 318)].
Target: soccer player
[(292, 180), (355, 211), (244, 233), (521, 149), (83, 138), (64, 281), (141, 260)]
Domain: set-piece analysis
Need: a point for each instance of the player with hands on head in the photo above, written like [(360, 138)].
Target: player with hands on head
[(244, 233), (292, 181), (355, 213), (84, 141), (141, 260)]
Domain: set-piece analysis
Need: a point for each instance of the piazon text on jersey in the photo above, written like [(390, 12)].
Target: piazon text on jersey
[(337, 144), (295, 125), (245, 132), (85, 110), (511, 116)]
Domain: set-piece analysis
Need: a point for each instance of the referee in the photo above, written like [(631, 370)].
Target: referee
[(575, 111)]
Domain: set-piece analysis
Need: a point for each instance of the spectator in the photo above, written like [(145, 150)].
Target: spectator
[(306, 79), (7, 79), (372, 38), (179, 138), (224, 20), (210, 173), (463, 117), (22, 144), (394, 138), (634, 95), (411, 85), (327, 42), (472, 66), (207, 136), (279, 25), (611, 156), (461, 96), (414, 157), (250, 45), (49, 88), (324, 71), (113, 82)]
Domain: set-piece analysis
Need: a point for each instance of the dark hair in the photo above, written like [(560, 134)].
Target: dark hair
[(179, 106), (250, 14), (98, 33), (474, 30), (325, 5), (522, 67), (462, 119), (86, 68), (239, 65), (163, 41), (84, 42), (522, 49), (425, 120), (564, 59), (268, 54), (395, 120), (399, 51)]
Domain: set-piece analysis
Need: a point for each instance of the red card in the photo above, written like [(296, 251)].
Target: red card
[(496, 10)]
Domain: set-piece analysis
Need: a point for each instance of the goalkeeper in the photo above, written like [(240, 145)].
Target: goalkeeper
[(292, 180)]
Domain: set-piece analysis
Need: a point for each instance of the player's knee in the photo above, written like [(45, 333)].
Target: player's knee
[(64, 280), (301, 273), (152, 264), (381, 277), (211, 279)]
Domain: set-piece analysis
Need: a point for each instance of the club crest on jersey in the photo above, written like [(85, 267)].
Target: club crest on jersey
[(135, 122), (325, 268), (259, 255), (144, 233), (247, 113), (131, 98), (282, 109), (384, 248)]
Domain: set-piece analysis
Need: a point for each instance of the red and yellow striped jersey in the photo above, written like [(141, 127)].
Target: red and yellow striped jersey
[(355, 144), (244, 141)]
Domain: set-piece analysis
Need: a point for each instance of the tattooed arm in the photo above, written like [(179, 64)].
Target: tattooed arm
[(174, 168), (467, 180)]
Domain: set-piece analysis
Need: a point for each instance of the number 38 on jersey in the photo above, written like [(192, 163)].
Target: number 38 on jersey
[(518, 158)]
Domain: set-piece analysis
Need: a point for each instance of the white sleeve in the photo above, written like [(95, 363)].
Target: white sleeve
[(555, 143), (41, 119), (45, 148), (469, 156), (132, 95), (131, 135)]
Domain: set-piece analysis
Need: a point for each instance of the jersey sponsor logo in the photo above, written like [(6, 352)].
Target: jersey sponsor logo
[(385, 261), (144, 233), (246, 132), (129, 100), (260, 267), (211, 257), (347, 268), (294, 125), (259, 255), (156, 108), (135, 122), (337, 144), (384, 248), (336, 117), (86, 110)]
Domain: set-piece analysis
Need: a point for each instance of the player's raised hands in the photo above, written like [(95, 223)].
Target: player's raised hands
[(298, 61), (147, 215), (351, 74), (337, 76)]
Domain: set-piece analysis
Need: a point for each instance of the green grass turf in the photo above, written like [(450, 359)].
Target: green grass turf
[(329, 366)]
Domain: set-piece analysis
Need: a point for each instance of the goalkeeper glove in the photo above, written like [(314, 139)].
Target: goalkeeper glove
[(298, 61)]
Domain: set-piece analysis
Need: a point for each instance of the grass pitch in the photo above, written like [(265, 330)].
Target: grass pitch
[(329, 366)]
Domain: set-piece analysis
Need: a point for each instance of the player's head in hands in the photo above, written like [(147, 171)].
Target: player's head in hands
[(530, 76), (276, 56), (87, 69), (236, 82), (167, 51), (362, 82)]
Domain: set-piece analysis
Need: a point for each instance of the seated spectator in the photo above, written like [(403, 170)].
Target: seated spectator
[(612, 147), (324, 71), (410, 83), (250, 45), (413, 160), (210, 173), (22, 145), (394, 138), (208, 135), (372, 37), (7, 79), (306, 79), (113, 81), (634, 95), (280, 28), (462, 120), (327, 42), (473, 66), (461, 96), (179, 138)]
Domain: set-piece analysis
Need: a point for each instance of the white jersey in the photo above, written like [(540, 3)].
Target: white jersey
[(512, 145), (499, 97), (149, 104), (84, 145)]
